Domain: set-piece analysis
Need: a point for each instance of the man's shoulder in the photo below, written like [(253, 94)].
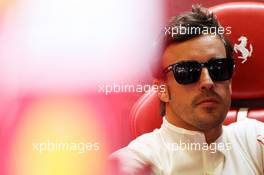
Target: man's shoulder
[(242, 126), (146, 144), (246, 131), (146, 140), (139, 151)]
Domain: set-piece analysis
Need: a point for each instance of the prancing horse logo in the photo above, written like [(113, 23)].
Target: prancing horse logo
[(241, 47)]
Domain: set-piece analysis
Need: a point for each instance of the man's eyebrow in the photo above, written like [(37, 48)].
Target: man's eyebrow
[(185, 60), (192, 59)]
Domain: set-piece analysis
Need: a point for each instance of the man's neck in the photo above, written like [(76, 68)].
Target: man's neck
[(213, 134), (210, 135)]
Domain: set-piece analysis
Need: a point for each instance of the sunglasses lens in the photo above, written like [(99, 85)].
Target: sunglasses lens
[(221, 69), (187, 72)]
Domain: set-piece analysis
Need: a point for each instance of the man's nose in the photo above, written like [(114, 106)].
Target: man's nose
[(205, 81)]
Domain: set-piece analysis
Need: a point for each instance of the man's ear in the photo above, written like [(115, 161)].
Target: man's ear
[(162, 90)]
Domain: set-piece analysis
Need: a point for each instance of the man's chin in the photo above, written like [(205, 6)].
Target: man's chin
[(207, 121), (208, 109)]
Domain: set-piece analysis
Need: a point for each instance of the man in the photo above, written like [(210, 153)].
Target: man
[(196, 72)]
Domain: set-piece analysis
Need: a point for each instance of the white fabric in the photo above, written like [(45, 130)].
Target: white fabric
[(236, 151)]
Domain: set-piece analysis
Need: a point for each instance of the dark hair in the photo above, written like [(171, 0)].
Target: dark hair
[(199, 20)]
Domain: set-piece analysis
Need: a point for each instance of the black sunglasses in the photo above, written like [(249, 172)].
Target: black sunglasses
[(187, 72)]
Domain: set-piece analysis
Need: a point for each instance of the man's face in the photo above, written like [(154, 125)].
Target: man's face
[(202, 105)]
